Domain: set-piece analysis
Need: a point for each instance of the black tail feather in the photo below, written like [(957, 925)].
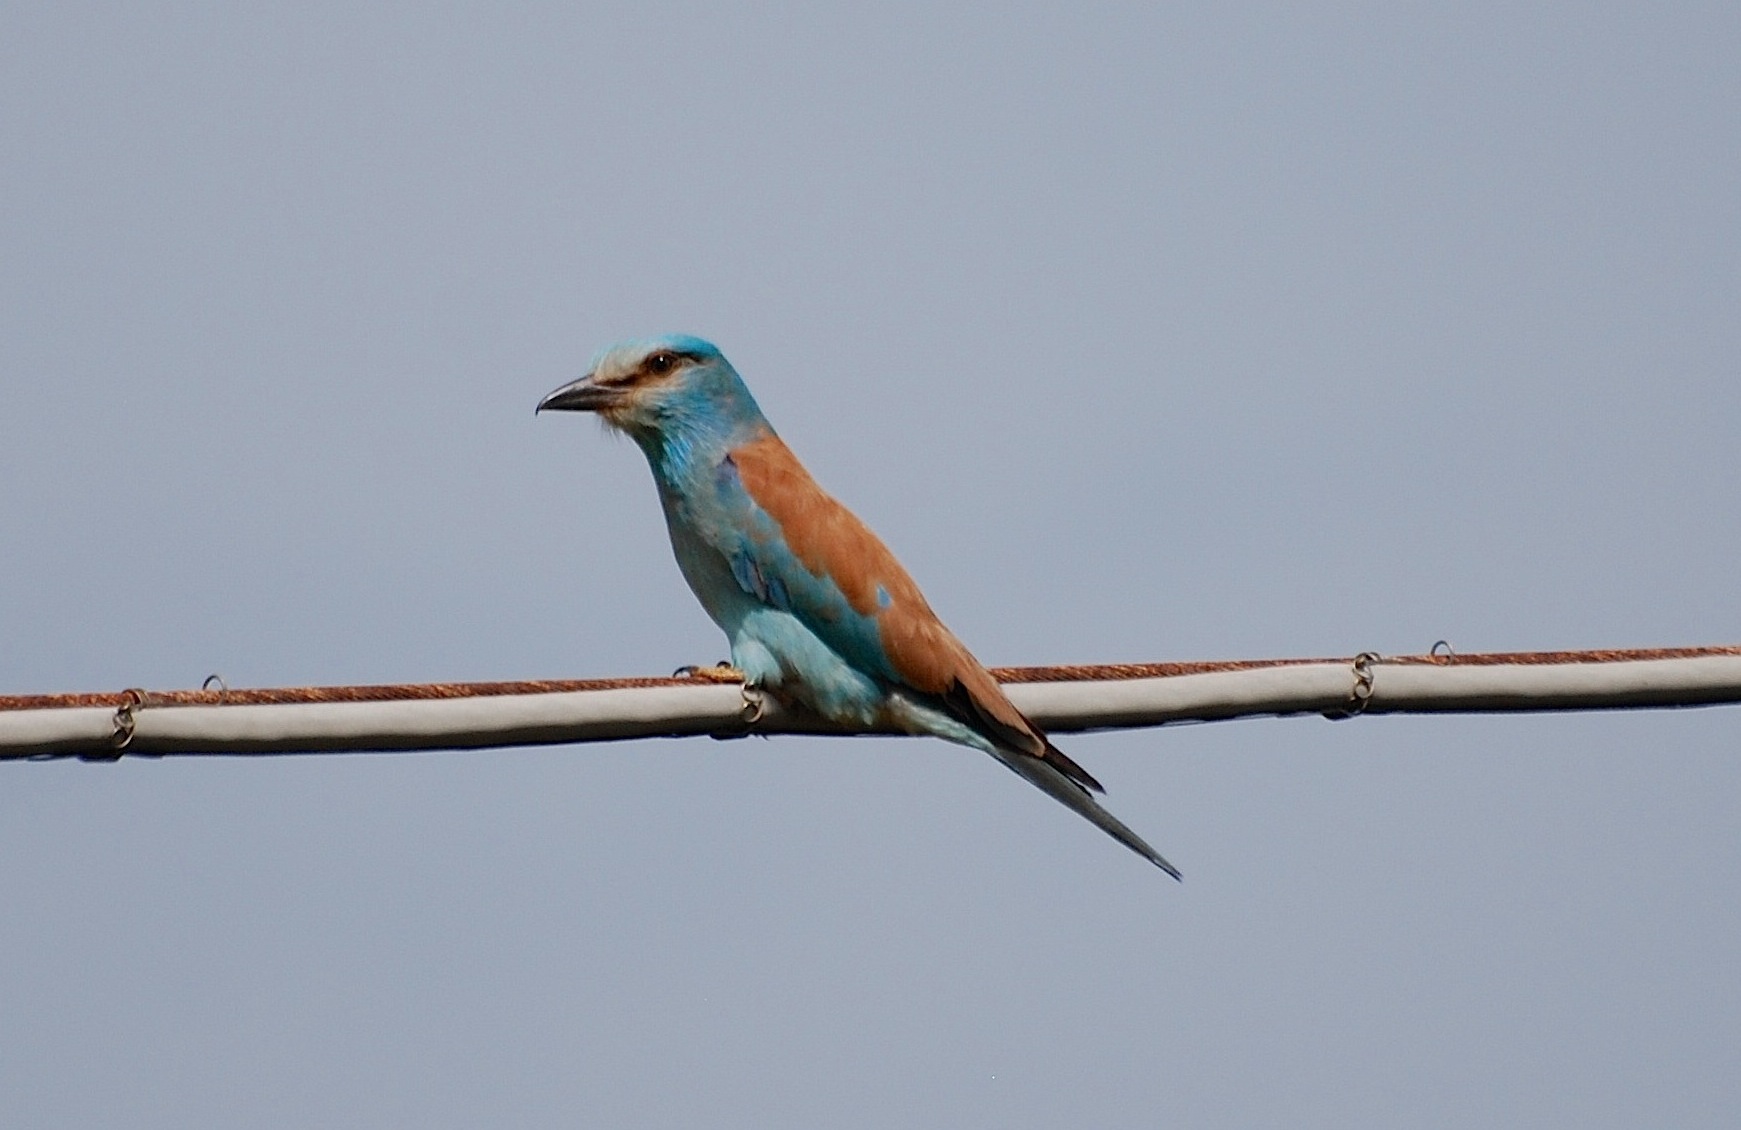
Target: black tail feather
[(1054, 783)]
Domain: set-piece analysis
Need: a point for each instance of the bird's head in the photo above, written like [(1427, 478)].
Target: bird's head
[(660, 388)]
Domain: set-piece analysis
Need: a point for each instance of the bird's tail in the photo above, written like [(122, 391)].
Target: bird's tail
[(1051, 781)]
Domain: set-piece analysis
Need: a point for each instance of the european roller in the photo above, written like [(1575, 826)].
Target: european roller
[(818, 612)]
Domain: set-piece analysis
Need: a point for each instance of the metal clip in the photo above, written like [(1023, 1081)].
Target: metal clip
[(755, 704), (1361, 693), (122, 726), (754, 707), (1449, 656), (132, 699)]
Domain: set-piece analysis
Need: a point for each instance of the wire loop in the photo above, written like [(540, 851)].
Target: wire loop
[(121, 726), (755, 704), (1360, 694)]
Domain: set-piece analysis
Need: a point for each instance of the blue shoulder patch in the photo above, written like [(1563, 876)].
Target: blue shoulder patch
[(765, 587)]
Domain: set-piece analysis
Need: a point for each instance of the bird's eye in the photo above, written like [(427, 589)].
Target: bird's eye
[(661, 363)]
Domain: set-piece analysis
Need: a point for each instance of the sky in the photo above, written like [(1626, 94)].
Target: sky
[(1140, 332)]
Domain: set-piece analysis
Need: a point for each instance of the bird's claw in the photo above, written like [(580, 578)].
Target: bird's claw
[(721, 672)]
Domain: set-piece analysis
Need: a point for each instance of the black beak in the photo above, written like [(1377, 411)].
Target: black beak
[(580, 396)]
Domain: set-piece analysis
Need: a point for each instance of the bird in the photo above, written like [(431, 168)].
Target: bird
[(817, 611)]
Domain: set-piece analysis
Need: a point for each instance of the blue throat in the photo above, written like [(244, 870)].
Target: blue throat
[(696, 432)]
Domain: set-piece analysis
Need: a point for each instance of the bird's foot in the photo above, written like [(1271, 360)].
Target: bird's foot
[(721, 672), (755, 699)]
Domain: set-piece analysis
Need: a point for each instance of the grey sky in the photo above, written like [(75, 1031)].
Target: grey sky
[(1137, 333)]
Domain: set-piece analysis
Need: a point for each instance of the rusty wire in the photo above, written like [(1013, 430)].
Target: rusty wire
[(1100, 672)]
